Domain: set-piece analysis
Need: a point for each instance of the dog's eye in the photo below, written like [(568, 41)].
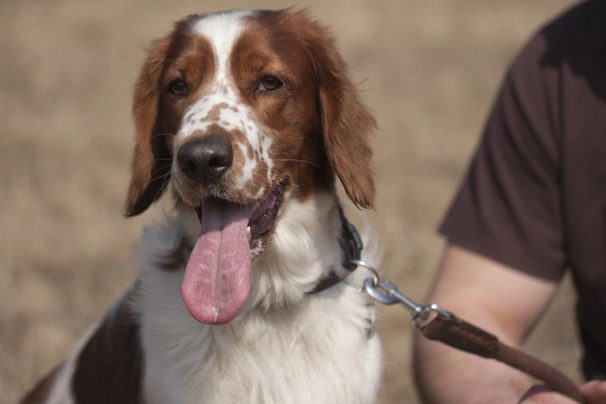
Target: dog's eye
[(269, 83), (177, 87)]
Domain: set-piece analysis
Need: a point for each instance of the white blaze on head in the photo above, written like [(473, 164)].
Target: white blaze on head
[(222, 31)]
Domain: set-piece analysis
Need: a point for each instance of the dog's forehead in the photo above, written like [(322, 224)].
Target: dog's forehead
[(222, 30)]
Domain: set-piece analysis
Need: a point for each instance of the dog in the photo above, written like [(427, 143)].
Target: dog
[(246, 118)]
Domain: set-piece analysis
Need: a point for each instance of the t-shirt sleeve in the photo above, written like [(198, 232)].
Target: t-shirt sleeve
[(508, 207)]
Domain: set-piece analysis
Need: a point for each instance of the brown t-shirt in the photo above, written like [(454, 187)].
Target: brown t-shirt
[(535, 194)]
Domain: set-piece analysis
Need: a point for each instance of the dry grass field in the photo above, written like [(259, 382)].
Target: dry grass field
[(429, 70)]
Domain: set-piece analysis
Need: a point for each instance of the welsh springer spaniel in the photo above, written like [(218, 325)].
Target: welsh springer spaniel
[(246, 117)]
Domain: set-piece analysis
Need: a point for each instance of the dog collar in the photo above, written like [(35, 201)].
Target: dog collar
[(351, 244)]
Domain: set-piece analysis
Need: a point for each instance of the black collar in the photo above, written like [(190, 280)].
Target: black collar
[(351, 244)]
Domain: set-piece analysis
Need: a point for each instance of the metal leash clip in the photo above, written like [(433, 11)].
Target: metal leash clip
[(385, 292)]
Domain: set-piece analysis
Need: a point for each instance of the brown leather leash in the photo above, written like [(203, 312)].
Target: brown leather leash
[(469, 338), (437, 324)]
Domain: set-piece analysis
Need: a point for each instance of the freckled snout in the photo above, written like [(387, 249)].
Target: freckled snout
[(205, 160)]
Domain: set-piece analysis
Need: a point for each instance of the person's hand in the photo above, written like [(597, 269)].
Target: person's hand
[(593, 392)]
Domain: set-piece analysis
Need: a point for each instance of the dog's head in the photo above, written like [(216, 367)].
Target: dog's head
[(240, 111)]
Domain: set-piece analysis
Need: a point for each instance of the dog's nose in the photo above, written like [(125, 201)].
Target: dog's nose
[(205, 160)]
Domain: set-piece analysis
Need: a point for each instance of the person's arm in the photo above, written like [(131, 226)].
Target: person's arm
[(510, 212), (498, 299)]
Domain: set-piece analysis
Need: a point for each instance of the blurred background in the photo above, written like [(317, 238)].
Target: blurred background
[(428, 69)]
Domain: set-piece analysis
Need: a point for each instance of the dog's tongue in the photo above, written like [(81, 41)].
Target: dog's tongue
[(217, 277)]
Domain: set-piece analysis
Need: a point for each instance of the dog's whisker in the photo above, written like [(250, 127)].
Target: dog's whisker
[(152, 180), (162, 188), (160, 134), (299, 161)]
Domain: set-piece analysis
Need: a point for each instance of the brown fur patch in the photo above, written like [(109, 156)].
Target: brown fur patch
[(215, 113), (311, 139), (346, 122), (110, 367), (157, 114), (289, 114)]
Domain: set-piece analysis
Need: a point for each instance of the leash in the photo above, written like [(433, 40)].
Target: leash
[(438, 324)]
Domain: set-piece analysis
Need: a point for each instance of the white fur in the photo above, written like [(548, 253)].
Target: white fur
[(285, 346), (222, 30)]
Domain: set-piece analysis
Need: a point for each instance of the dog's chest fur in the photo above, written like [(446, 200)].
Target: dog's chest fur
[(306, 349), (267, 359)]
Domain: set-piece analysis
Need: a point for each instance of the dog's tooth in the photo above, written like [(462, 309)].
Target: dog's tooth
[(248, 232)]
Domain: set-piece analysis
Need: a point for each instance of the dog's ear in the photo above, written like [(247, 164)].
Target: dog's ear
[(151, 159), (346, 122)]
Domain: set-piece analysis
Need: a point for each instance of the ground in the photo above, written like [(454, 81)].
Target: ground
[(428, 69)]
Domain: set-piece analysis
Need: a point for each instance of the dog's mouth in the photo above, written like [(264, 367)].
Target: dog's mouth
[(263, 219), (217, 276)]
